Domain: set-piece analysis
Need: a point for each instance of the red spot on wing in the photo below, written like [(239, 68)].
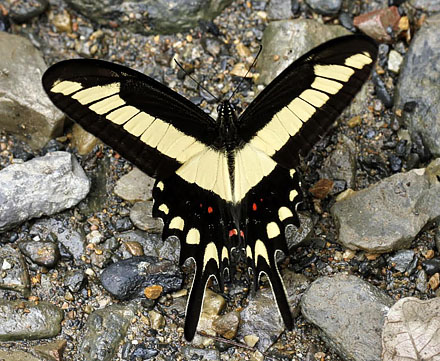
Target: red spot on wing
[(254, 206), (233, 232), (242, 234), (210, 210)]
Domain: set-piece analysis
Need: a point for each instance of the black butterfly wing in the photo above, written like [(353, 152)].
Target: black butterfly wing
[(147, 123), (167, 137), (284, 121), (296, 109)]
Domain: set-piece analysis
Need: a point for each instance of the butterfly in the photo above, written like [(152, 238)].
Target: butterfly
[(222, 186)]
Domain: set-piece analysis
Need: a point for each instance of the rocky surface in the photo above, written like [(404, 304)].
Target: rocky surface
[(371, 141), (41, 186)]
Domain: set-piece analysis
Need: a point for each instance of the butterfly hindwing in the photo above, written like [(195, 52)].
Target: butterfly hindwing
[(146, 122), (269, 208), (295, 110), (199, 219)]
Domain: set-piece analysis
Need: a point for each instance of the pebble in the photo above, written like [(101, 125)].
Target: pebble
[(134, 186), (325, 7), (394, 61), (43, 253)]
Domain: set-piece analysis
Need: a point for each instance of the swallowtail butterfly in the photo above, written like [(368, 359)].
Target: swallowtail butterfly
[(226, 184)]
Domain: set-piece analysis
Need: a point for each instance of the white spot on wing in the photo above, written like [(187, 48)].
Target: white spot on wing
[(122, 115), (284, 213), (138, 124), (163, 207), (177, 223), (210, 253), (160, 185), (358, 61), (314, 97), (272, 230), (338, 72), (193, 236), (293, 193), (326, 85), (95, 93), (261, 250), (65, 87), (107, 105)]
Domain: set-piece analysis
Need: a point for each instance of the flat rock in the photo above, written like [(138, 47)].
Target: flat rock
[(135, 186), (349, 314), (23, 320), (151, 16), (417, 92), (288, 40), (388, 215), (41, 186), (25, 109), (105, 329), (17, 356)]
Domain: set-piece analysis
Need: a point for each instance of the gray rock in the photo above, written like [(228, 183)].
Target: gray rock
[(22, 11), (106, 328), (279, 10), (412, 330), (128, 278), (29, 114), (151, 16), (341, 164), (71, 241), (422, 282), (261, 316), (426, 5), (349, 313), (402, 260), (17, 356), (74, 280), (417, 92), (41, 186), (289, 39), (141, 214), (43, 253), (14, 272), (295, 236), (192, 353), (387, 216), (325, 7), (23, 320), (135, 186), (153, 245)]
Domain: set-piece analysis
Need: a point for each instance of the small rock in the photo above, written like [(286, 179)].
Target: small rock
[(22, 11), (378, 23), (12, 355), (192, 353), (394, 61), (105, 329), (141, 214), (325, 7), (157, 321), (422, 282), (251, 340), (227, 325), (74, 280), (431, 266), (434, 281), (43, 253), (53, 351), (402, 260), (128, 278), (279, 10), (134, 186), (63, 22), (23, 320), (153, 292), (82, 140), (14, 275)]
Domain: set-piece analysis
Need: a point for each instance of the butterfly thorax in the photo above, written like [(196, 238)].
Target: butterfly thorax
[(227, 122)]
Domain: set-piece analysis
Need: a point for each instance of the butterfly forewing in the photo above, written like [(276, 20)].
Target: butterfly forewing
[(296, 109), (147, 123), (211, 191)]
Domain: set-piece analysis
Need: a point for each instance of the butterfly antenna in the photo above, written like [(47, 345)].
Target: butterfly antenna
[(195, 81), (252, 65)]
